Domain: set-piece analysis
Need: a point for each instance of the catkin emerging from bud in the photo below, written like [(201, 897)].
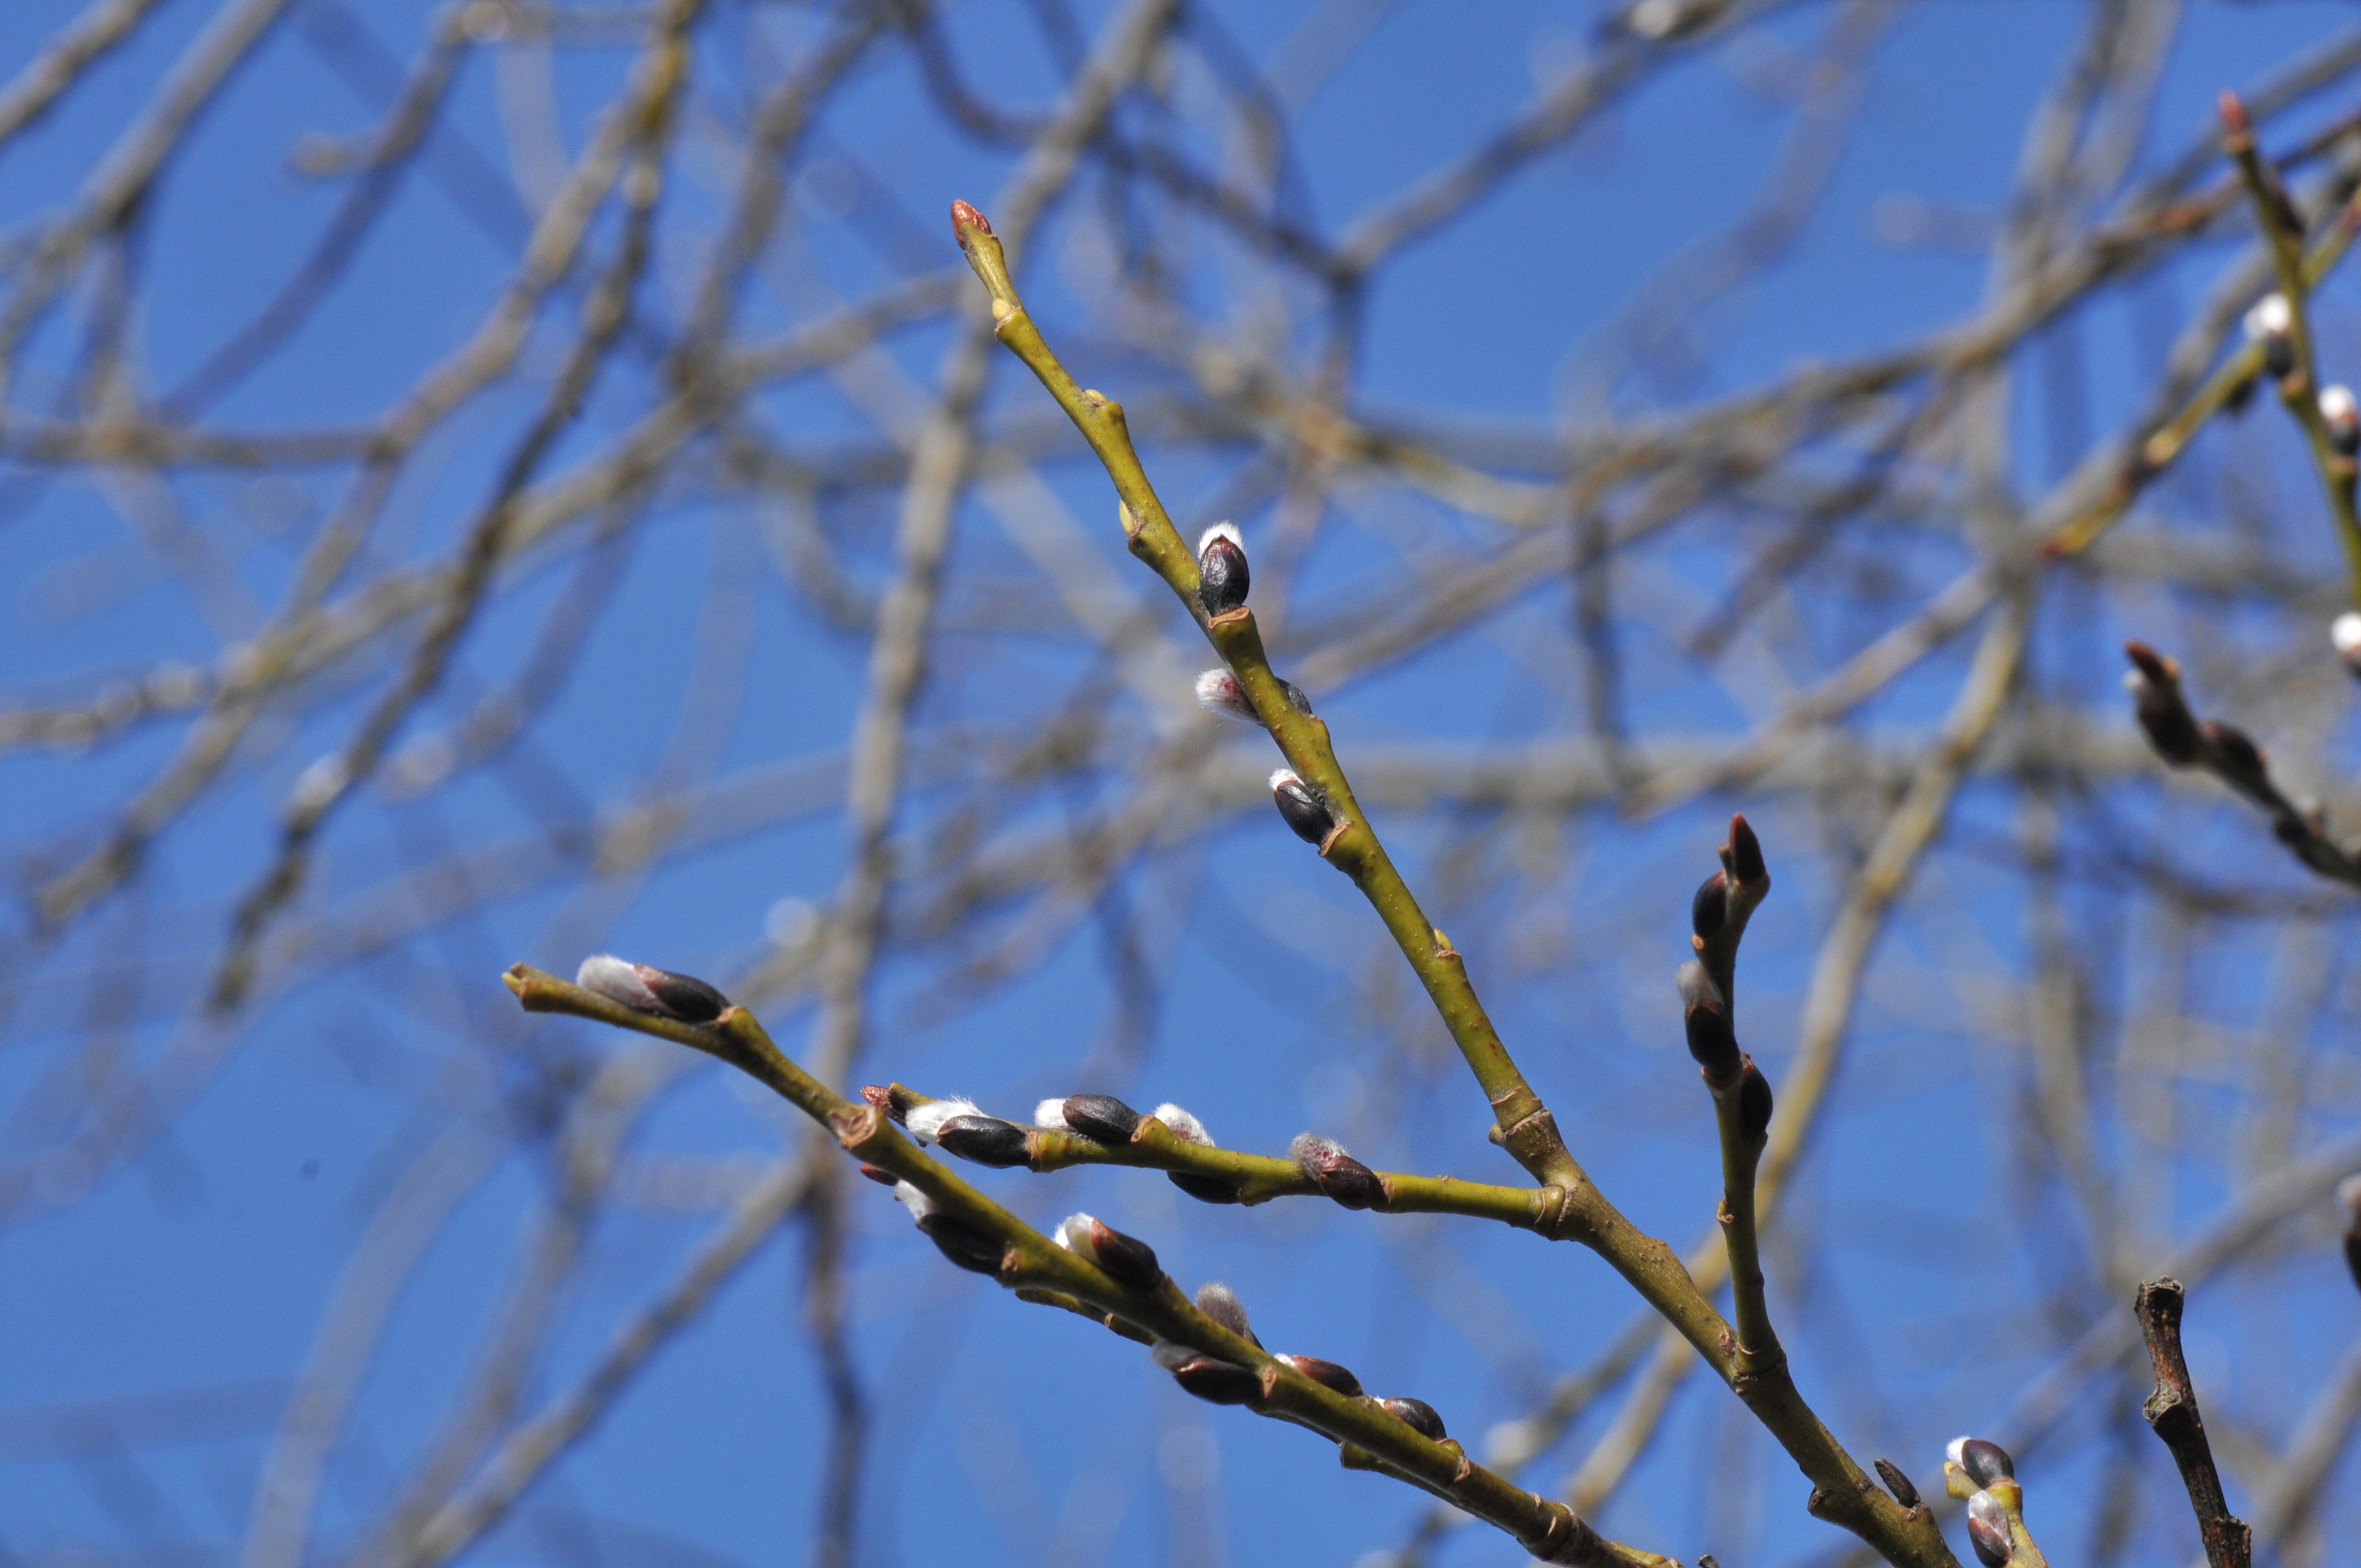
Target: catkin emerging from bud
[(643, 988), (1222, 578)]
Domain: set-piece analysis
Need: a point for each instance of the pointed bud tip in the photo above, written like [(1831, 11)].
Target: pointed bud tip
[(1746, 849), (966, 220)]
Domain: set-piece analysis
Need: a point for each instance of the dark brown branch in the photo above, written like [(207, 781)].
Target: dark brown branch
[(2172, 1411)]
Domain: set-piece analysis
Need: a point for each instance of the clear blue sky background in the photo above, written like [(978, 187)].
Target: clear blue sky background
[(1005, 1435)]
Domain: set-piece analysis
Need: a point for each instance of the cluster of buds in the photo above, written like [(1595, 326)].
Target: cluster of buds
[(643, 988), (1983, 1473), (1337, 1174), (1103, 1119), (2175, 732), (1219, 1382), (1218, 693)]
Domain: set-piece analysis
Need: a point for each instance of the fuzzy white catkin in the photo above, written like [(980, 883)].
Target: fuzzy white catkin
[(617, 980), (2269, 316), (1218, 693), (910, 1198), (1050, 1112), (2345, 632), (2336, 404), (1185, 1127), (1228, 531), (1073, 1233), (928, 1120)]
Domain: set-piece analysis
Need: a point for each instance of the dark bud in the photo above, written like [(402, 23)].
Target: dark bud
[(1711, 1040), (883, 1177), (1709, 910), (1988, 1531), (1219, 1382), (1327, 1374), (2279, 356), (2239, 752), (1986, 1463), (1753, 1104), (1221, 1303), (2352, 1254), (2158, 706), (985, 1140), (1419, 1415), (969, 1248), (1222, 575), (2240, 396), (900, 1102), (1128, 1261), (1203, 1189), (643, 988), (1101, 1118), (1337, 1174), (1746, 853), (1898, 1484), (1295, 697), (1300, 805)]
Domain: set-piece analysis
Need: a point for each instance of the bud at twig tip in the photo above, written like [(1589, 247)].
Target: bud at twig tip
[(966, 220)]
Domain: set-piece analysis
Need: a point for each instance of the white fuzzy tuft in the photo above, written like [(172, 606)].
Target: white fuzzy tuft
[(1050, 1113), (1283, 777), (1073, 1233), (1218, 693), (1654, 19), (2269, 316), (1172, 1356), (2336, 404), (617, 980), (2135, 682), (928, 1120), (910, 1198), (2346, 633), (1185, 1127), (1228, 531), (1696, 987), (1958, 1446)]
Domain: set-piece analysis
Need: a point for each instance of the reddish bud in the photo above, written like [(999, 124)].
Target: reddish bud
[(1218, 1382), (1753, 1104), (1898, 1484), (1327, 1374), (1337, 1174), (966, 221), (883, 1177), (1746, 853), (1988, 1531), (1419, 1415)]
